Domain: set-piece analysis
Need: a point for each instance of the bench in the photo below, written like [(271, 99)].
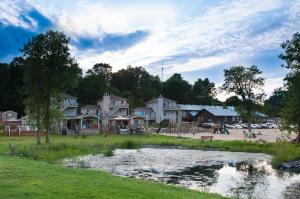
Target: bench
[(207, 137)]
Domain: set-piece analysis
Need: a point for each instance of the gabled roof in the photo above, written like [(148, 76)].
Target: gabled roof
[(117, 98), (8, 111), (164, 99), (221, 111)]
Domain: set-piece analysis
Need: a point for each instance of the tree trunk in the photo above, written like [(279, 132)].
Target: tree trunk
[(38, 121), (249, 126), (47, 123)]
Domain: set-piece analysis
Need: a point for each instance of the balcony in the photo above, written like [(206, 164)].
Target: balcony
[(171, 107), (118, 105), (70, 104)]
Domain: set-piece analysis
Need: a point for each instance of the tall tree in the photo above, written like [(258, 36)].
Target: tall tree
[(274, 104), (47, 56), (94, 84), (177, 88), (246, 83), (11, 86), (203, 92), (291, 56), (136, 84), (232, 101)]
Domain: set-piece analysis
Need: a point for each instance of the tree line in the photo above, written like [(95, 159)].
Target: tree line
[(33, 83)]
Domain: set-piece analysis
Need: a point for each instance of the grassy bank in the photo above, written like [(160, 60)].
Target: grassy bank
[(67, 146), (23, 178)]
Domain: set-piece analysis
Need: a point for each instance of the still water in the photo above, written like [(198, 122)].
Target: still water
[(243, 175)]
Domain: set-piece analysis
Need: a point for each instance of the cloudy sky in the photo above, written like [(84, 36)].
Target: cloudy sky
[(197, 38)]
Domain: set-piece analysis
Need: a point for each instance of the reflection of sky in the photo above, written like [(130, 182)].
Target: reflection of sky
[(269, 186)]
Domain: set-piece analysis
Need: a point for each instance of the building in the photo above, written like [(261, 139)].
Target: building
[(148, 113), (164, 109), (90, 109), (115, 113), (73, 123), (217, 114), (8, 115)]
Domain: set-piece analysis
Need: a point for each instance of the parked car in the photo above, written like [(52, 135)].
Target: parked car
[(207, 125), (258, 126), (270, 125), (245, 126), (237, 126)]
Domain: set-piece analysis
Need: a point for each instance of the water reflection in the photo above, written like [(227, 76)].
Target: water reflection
[(243, 175)]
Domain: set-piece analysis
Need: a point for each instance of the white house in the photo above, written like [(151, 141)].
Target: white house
[(90, 109), (164, 108), (8, 115), (115, 112)]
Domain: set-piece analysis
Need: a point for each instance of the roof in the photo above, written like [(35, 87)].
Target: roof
[(164, 99), (192, 107), (8, 111), (90, 107), (221, 111), (117, 98)]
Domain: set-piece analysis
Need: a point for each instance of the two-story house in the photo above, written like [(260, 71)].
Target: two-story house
[(164, 109), (74, 123), (115, 112), (90, 109)]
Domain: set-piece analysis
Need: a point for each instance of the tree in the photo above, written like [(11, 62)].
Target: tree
[(291, 56), (11, 86), (203, 92), (177, 88), (232, 101), (50, 70), (246, 83), (274, 104), (136, 84), (94, 84)]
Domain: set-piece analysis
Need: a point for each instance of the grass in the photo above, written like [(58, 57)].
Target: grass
[(23, 178), (67, 146)]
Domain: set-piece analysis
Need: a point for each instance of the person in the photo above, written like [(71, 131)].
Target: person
[(215, 126)]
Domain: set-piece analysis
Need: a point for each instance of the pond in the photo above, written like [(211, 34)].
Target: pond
[(244, 175)]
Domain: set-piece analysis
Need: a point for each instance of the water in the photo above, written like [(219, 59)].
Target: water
[(244, 175)]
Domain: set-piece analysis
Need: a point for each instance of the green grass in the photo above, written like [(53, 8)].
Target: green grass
[(67, 146), (23, 178), (27, 178)]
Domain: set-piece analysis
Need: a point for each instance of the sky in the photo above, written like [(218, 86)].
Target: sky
[(197, 38)]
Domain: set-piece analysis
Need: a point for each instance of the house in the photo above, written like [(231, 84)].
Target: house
[(115, 112), (8, 115), (148, 113), (90, 109), (74, 123), (218, 114), (164, 109)]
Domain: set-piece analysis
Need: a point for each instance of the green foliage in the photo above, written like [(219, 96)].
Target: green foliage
[(246, 83), (233, 101), (178, 89), (49, 71), (274, 105), (203, 92), (291, 56), (11, 86), (164, 123)]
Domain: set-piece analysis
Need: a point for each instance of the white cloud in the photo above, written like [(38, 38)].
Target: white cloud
[(11, 12)]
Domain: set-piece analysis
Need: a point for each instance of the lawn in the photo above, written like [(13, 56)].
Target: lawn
[(25, 177)]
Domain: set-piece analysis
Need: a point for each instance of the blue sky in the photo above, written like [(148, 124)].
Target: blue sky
[(197, 38)]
